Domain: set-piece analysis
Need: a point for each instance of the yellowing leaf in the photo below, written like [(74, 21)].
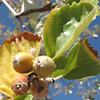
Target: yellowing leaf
[(21, 43)]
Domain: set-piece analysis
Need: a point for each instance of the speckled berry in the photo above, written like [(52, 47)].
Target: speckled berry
[(43, 66), (39, 89)]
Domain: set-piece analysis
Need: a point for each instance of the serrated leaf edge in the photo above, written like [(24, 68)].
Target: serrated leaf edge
[(89, 49), (26, 35)]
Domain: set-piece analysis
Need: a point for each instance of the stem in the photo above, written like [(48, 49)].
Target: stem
[(63, 1), (9, 7), (57, 78), (52, 80), (47, 7), (18, 18)]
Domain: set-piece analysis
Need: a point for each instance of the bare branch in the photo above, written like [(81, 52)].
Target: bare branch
[(48, 7), (63, 1), (21, 22), (56, 93), (0, 2)]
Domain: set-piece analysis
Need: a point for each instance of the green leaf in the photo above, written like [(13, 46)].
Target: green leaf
[(27, 96), (63, 26), (96, 6), (65, 64), (94, 2), (60, 64), (71, 1), (84, 63)]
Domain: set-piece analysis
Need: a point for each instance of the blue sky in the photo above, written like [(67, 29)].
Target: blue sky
[(95, 42), (5, 19)]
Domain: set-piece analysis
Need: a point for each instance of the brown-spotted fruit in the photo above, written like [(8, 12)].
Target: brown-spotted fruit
[(20, 85), (43, 66), (39, 88)]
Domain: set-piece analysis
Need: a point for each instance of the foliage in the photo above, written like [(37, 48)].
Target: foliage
[(60, 27), (62, 33)]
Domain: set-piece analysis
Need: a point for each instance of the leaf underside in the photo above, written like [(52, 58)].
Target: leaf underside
[(63, 26)]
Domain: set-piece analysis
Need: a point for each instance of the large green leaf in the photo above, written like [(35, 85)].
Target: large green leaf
[(65, 64), (94, 2), (81, 62), (60, 65), (96, 6), (86, 63), (71, 1), (64, 25)]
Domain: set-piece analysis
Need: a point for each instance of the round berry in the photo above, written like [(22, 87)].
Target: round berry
[(43, 66), (20, 85), (39, 88), (22, 62)]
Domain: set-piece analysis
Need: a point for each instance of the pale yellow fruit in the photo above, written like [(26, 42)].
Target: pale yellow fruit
[(43, 66), (23, 62), (39, 89)]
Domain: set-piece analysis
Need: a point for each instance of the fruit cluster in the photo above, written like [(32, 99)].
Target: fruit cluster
[(42, 67)]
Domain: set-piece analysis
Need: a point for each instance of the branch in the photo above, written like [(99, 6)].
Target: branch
[(0, 1), (64, 1), (56, 93), (18, 18), (48, 7), (63, 89)]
